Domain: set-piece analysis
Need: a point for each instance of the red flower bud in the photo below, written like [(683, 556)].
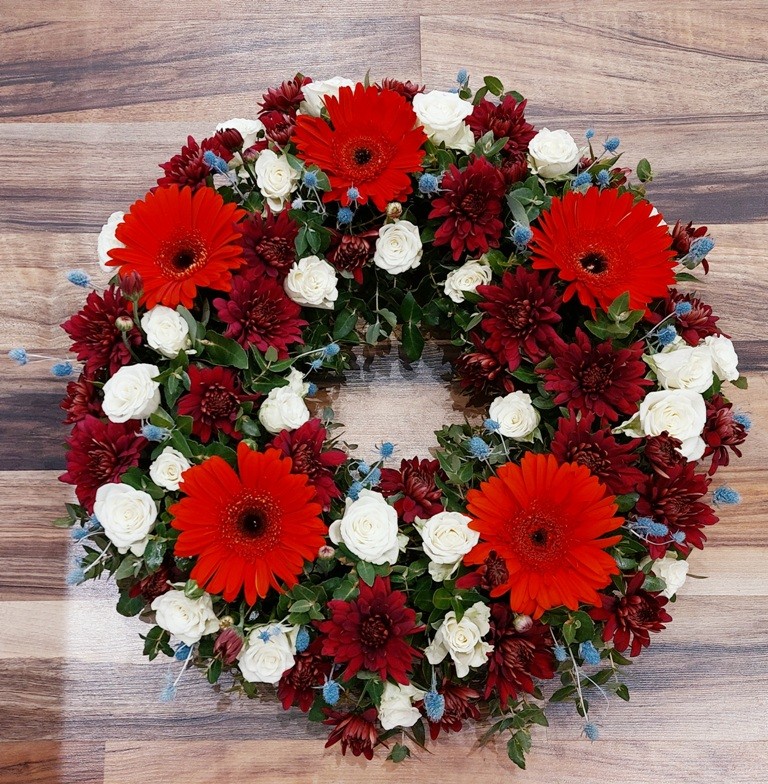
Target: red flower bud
[(228, 645)]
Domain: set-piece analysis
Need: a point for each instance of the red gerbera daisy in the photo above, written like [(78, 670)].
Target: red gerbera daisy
[(299, 685), (369, 633), (250, 530), (600, 378), (213, 401), (602, 245), (179, 241), (100, 453), (415, 481), (470, 202), (356, 731), (372, 143), (269, 244), (548, 521), (305, 447), (258, 313), (459, 706)]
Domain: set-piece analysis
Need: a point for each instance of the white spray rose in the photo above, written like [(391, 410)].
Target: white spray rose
[(312, 281), (284, 408), (315, 93), (398, 247), (446, 539), (462, 640), (127, 516), (672, 570), (517, 416), (167, 468), (276, 179), (552, 153), (131, 393), (467, 278), (268, 652), (680, 366), (249, 129), (368, 528), (396, 708), (443, 114), (107, 241), (185, 618), (725, 360), (167, 332)]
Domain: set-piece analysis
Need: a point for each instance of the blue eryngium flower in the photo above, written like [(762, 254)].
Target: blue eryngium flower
[(726, 496), (589, 133), (434, 705), (603, 178), (155, 433), (683, 308), (387, 449), (310, 179), (580, 180), (215, 162), (428, 183), (612, 143), (478, 448), (521, 235), (462, 76), (667, 335), (744, 419), (560, 653), (344, 216), (63, 369), (589, 653), (331, 350), (331, 692), (302, 640), (700, 247), (591, 731), (182, 652), (353, 194), (19, 356), (354, 490), (79, 278)]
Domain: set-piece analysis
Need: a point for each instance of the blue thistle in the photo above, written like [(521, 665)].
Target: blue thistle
[(155, 433), (302, 640), (312, 389), (344, 216), (434, 705), (63, 369), (19, 356), (521, 235), (428, 183), (363, 468), (387, 449), (168, 694), (647, 526), (78, 533), (589, 653), (678, 537), (612, 143), (591, 731), (726, 496), (331, 350), (560, 653), (310, 179), (79, 278), (374, 477), (700, 247), (667, 335), (353, 194), (603, 178), (297, 203), (316, 364), (331, 692), (744, 419), (462, 77), (491, 425), (215, 162), (580, 180), (354, 490), (478, 448), (683, 308), (182, 652), (589, 133), (75, 576)]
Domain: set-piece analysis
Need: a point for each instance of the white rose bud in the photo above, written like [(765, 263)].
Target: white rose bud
[(398, 247), (107, 241), (446, 539), (167, 468), (284, 408), (672, 570), (185, 618), (127, 516), (467, 278), (249, 129), (315, 93), (553, 153), (396, 708), (516, 415), (131, 393), (725, 360), (312, 282), (276, 179), (442, 114), (681, 366), (167, 332), (268, 652), (368, 528), (462, 640)]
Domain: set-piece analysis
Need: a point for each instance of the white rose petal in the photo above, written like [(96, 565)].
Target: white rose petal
[(680, 412), (315, 93), (127, 516), (725, 360), (368, 528), (462, 640), (167, 332), (312, 282), (442, 115), (467, 278), (167, 468), (107, 241), (553, 153), (396, 708), (131, 393), (398, 247), (268, 652), (672, 570), (516, 415), (681, 366), (446, 539), (284, 407), (185, 618), (249, 129), (276, 179)]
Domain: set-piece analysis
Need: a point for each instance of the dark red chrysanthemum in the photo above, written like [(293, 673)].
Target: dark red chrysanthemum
[(299, 685), (259, 313), (683, 236), (305, 448), (491, 573), (285, 98), (228, 645), (506, 118), (470, 204), (577, 441), (482, 370), (369, 633), (82, 399), (157, 583), (213, 401), (96, 341), (416, 482), (676, 502), (279, 127), (189, 167), (721, 432), (407, 89), (629, 619), (355, 731), (600, 378), (517, 656), (694, 326), (459, 706), (99, 453), (269, 244), (520, 315), (351, 252), (513, 169), (663, 453)]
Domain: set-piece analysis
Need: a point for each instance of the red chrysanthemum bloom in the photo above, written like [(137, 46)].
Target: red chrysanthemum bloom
[(676, 502), (663, 453), (99, 453), (517, 656), (548, 521), (269, 244), (356, 731), (407, 89), (259, 313), (577, 441), (506, 118), (279, 127), (491, 573), (179, 241), (299, 685), (157, 583), (189, 166), (373, 143), (369, 633), (470, 202), (82, 399), (601, 378), (286, 98), (722, 432), (483, 370), (249, 530), (683, 236), (602, 245), (629, 619), (699, 323), (305, 448), (351, 252), (416, 482), (213, 401), (96, 340), (459, 706), (514, 168), (520, 315)]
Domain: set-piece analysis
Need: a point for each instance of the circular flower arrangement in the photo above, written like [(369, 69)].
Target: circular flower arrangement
[(538, 552)]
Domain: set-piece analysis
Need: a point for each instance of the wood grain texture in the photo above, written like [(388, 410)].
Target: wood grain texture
[(94, 93)]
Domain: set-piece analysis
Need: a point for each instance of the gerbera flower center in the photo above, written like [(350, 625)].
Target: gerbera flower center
[(249, 519), (594, 263), (538, 538), (374, 631), (182, 255), (363, 158)]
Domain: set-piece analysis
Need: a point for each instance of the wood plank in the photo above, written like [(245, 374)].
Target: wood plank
[(51, 762)]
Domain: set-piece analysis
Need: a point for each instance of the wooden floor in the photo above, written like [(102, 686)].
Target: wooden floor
[(93, 93)]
